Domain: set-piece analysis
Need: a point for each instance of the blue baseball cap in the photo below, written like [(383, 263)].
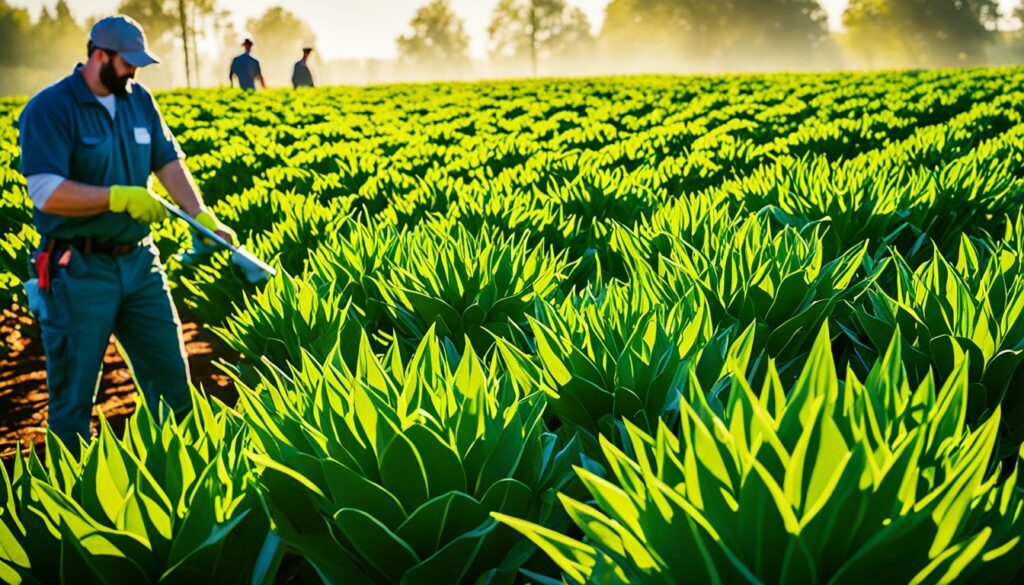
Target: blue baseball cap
[(125, 36)]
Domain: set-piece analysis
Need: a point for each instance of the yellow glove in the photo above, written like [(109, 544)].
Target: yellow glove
[(138, 202), (210, 222)]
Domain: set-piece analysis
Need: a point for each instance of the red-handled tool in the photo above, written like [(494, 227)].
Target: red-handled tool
[(43, 265), (43, 270)]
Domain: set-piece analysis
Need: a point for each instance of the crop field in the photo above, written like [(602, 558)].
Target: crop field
[(738, 329)]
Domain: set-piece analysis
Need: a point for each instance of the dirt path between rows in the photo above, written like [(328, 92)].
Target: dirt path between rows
[(23, 381)]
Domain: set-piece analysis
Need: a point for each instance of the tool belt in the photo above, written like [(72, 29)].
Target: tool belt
[(57, 251), (88, 246)]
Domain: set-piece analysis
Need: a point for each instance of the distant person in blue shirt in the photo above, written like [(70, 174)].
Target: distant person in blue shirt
[(246, 69), (301, 76)]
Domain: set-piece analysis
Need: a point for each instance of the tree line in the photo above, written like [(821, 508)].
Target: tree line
[(737, 35), (35, 53), (543, 37)]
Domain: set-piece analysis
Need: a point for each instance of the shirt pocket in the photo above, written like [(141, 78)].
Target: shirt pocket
[(91, 158), (140, 149)]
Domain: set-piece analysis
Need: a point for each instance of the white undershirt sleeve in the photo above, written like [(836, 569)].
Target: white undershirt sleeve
[(41, 188)]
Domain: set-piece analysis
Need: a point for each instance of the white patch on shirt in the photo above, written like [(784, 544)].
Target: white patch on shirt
[(142, 136)]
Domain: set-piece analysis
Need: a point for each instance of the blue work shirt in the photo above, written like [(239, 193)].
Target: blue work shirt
[(301, 75), (246, 68), (65, 131)]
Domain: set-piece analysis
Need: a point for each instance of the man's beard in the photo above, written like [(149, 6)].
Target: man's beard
[(116, 85)]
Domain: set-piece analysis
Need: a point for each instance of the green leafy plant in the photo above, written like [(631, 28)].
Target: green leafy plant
[(165, 504), (612, 355), (942, 309), (830, 481), (287, 320), (467, 287), (779, 281), (386, 473)]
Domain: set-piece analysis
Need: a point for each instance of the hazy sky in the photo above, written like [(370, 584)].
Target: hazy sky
[(366, 28)]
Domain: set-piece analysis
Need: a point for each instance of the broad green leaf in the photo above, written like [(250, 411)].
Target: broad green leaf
[(381, 548)]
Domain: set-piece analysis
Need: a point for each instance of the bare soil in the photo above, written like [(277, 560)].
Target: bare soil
[(23, 381)]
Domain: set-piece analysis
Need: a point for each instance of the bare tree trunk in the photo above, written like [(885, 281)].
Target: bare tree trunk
[(533, 37), (195, 44), (183, 18)]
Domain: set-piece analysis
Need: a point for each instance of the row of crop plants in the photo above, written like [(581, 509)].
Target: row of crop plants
[(714, 329)]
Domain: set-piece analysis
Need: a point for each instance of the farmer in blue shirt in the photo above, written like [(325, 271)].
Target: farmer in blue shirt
[(89, 144), (246, 69), (301, 75)]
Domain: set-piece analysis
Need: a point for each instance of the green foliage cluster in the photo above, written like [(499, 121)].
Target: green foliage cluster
[(726, 329)]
